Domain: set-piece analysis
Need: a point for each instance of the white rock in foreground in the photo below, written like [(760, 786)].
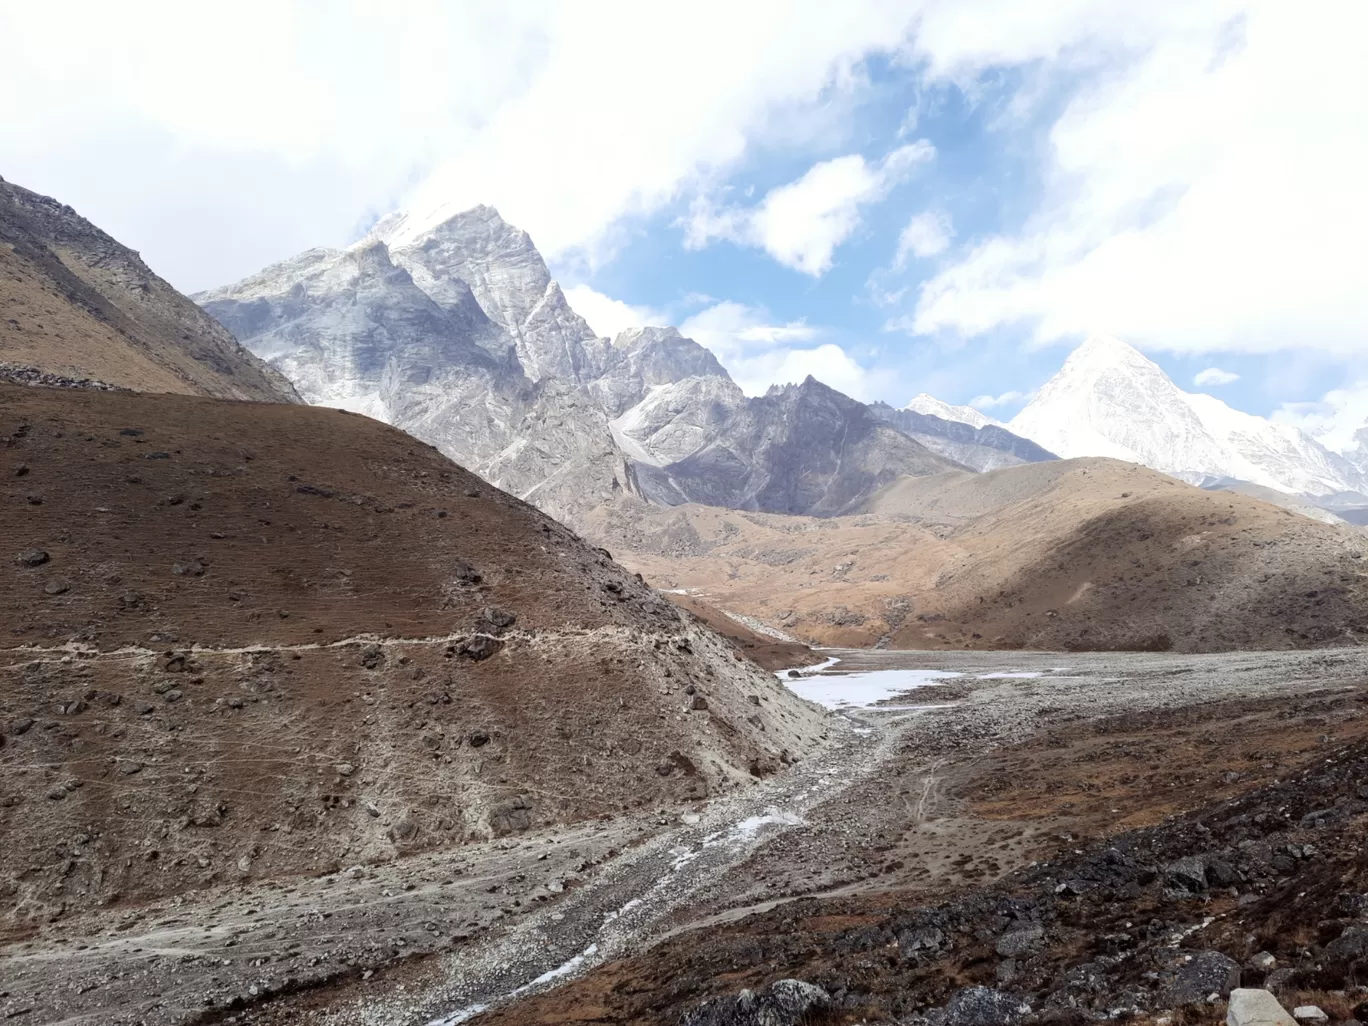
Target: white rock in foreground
[(1252, 1007)]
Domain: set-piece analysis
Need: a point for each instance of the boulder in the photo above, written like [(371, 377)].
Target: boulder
[(1349, 945), (479, 647), (1251, 1007), (1020, 939), (510, 817), (499, 618), (983, 1006), (921, 938), (1205, 974), (785, 1003), (1188, 873), (1309, 1014)]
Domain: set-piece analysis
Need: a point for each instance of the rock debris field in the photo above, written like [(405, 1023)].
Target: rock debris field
[(1015, 784)]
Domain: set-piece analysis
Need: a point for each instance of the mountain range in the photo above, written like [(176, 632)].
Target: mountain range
[(457, 333)]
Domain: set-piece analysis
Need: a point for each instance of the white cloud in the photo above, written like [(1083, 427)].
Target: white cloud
[(928, 234), (567, 117), (1203, 189), (987, 402), (801, 224), (729, 327), (1214, 376), (608, 316), (1334, 420), (759, 353)]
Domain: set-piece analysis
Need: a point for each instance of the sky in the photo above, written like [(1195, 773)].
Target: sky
[(894, 197)]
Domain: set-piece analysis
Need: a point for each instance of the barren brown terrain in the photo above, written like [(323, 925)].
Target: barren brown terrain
[(1070, 555), (765, 649), (1070, 842), (248, 641), (1062, 808), (76, 304)]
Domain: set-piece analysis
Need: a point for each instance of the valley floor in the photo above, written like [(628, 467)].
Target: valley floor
[(636, 919)]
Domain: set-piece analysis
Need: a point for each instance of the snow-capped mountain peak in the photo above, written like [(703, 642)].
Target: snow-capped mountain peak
[(930, 406), (1109, 399)]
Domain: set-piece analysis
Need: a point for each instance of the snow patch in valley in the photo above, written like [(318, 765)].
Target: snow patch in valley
[(862, 689), (807, 671), (752, 825), (564, 969)]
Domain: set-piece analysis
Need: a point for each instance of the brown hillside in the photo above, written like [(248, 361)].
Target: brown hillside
[(1070, 554), (770, 652), (77, 304), (247, 640)]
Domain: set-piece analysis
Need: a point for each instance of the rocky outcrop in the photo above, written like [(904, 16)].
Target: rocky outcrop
[(987, 446)]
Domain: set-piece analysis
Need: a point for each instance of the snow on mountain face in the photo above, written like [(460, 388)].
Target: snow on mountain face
[(933, 407), (479, 253), (641, 359), (1109, 400)]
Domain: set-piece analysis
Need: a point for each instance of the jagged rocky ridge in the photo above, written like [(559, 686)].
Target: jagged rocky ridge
[(458, 334), (981, 446)]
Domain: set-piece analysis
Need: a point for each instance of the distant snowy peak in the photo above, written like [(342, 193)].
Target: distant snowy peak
[(1110, 400), (933, 407)]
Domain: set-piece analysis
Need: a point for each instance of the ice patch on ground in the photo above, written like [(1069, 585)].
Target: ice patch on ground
[(752, 825), (808, 671), (564, 969), (861, 690), (466, 1013), (1019, 675)]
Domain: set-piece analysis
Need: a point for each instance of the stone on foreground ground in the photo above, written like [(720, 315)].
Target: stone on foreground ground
[(1252, 1007)]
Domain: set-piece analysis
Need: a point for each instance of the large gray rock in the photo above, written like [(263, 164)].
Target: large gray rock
[(1188, 873), (983, 1006), (785, 1003), (1020, 939), (1251, 1007), (1204, 974)]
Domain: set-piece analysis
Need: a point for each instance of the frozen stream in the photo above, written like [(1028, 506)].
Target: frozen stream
[(636, 894), (862, 689)]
